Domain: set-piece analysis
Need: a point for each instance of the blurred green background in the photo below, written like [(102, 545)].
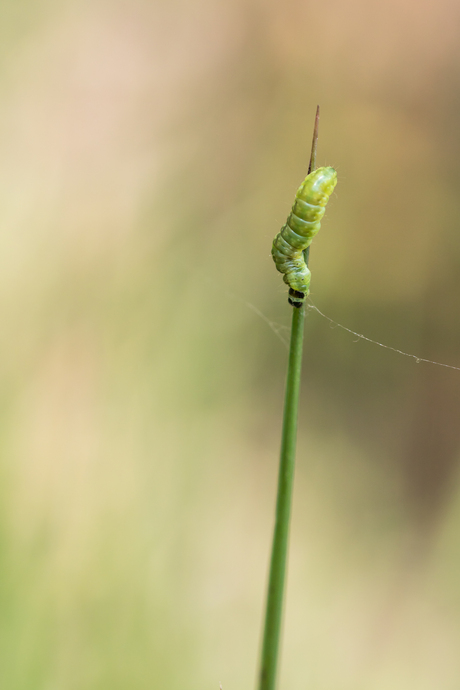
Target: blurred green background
[(149, 153)]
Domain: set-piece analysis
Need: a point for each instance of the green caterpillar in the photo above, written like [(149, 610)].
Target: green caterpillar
[(302, 225)]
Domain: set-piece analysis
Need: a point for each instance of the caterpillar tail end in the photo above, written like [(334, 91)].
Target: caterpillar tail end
[(296, 298)]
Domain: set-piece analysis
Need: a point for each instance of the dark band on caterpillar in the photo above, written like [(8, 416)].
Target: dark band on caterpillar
[(302, 225), (296, 298)]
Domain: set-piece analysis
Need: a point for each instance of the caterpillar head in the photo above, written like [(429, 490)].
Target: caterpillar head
[(318, 186)]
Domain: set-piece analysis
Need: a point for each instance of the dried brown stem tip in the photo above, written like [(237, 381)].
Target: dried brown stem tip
[(314, 143)]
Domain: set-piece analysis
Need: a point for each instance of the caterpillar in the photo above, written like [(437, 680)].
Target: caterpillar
[(302, 225)]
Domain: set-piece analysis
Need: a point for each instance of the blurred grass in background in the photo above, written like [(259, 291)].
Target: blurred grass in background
[(149, 153)]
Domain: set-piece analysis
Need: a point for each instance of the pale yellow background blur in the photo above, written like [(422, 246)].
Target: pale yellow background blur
[(149, 153)]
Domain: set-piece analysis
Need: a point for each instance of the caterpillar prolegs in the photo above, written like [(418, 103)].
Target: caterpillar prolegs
[(302, 225)]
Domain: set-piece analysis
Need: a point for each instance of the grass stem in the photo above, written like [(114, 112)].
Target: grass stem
[(275, 596)]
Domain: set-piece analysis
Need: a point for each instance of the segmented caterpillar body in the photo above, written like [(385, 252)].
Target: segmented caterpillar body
[(302, 225)]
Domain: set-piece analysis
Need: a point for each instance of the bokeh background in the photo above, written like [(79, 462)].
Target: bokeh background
[(149, 153)]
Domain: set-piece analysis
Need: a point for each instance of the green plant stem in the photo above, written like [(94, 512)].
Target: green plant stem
[(275, 596)]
